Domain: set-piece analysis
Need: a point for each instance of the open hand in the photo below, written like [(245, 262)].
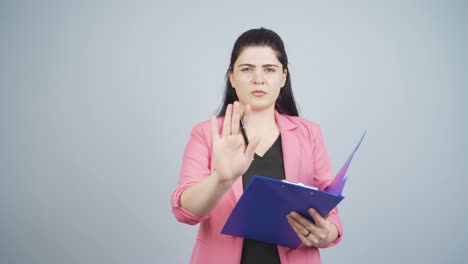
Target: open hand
[(232, 157)]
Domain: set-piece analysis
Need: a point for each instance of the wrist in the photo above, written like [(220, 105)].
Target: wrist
[(221, 181)]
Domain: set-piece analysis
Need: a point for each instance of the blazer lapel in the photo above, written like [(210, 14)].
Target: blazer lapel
[(291, 148), (291, 153)]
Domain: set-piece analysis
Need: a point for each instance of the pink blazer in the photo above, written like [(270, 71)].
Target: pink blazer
[(305, 160)]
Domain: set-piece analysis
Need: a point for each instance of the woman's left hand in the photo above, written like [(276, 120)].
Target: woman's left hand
[(319, 234)]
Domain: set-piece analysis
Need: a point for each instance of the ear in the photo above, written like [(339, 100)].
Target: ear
[(231, 79), (285, 74)]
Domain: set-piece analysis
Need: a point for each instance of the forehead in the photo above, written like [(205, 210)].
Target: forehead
[(258, 55)]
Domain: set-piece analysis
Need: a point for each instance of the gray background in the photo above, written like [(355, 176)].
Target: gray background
[(97, 101)]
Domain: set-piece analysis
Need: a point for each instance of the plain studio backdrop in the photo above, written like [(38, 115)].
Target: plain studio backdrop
[(98, 99)]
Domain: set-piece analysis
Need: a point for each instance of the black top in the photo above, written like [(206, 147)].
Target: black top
[(270, 165)]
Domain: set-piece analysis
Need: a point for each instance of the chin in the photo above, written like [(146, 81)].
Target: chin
[(259, 107)]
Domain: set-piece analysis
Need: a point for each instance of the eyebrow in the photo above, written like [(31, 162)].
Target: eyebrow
[(265, 65)]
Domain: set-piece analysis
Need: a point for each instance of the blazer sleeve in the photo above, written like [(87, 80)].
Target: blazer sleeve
[(195, 167), (323, 176)]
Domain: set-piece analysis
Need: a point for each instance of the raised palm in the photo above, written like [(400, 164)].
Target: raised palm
[(232, 157)]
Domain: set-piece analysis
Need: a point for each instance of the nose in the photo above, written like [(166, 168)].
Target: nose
[(258, 77)]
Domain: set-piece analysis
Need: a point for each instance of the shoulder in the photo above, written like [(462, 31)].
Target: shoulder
[(308, 133), (301, 122), (206, 125), (304, 126), (203, 128)]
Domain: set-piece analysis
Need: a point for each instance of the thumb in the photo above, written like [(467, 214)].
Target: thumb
[(250, 150)]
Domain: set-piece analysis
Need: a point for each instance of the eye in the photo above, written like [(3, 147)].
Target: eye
[(270, 70), (247, 69)]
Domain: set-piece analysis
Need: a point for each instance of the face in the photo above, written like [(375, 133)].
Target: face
[(257, 77)]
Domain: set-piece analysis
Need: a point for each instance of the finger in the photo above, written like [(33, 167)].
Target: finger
[(227, 121), (318, 219), (235, 118), (250, 150), (303, 221), (309, 235), (304, 239), (301, 230), (214, 129)]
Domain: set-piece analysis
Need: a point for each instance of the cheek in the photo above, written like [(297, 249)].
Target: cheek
[(244, 78), (276, 81), (242, 82)]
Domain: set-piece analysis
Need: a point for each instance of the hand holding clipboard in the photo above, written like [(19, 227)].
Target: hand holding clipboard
[(260, 213)]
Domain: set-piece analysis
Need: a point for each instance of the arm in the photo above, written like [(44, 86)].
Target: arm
[(195, 169), (203, 196), (198, 195)]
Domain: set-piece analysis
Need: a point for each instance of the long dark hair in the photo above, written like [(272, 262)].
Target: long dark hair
[(261, 37)]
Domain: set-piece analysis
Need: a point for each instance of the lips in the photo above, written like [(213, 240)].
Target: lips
[(258, 93)]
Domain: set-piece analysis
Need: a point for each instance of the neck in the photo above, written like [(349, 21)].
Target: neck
[(262, 120)]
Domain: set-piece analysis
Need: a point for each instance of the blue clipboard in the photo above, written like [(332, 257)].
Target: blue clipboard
[(260, 213)]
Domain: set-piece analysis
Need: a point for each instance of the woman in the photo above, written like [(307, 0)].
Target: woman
[(218, 162)]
